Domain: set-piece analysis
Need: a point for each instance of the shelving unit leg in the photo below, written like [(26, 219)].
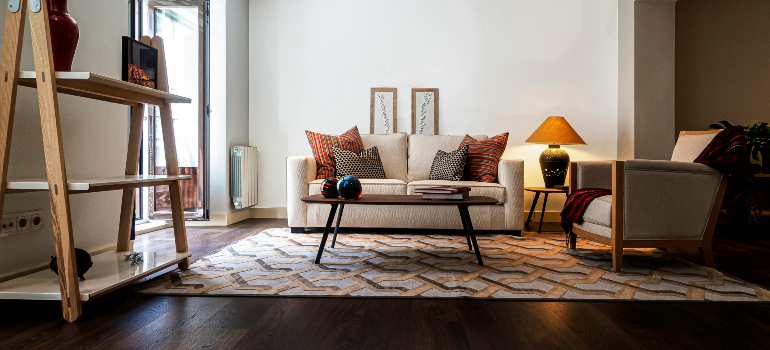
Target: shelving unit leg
[(13, 36), (54, 158), (132, 168), (175, 191)]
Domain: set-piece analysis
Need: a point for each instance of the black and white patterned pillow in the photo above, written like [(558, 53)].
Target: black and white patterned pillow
[(449, 165), (364, 165)]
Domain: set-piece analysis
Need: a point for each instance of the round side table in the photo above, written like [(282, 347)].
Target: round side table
[(538, 191)]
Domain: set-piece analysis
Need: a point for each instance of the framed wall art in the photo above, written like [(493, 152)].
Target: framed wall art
[(383, 111), (425, 111)]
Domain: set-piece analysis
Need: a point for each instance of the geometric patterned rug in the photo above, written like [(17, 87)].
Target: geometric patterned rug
[(276, 262)]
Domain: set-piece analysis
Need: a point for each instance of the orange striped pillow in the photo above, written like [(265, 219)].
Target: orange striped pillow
[(322, 149), (483, 157)]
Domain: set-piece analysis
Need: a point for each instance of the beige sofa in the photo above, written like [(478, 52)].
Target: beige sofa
[(407, 160)]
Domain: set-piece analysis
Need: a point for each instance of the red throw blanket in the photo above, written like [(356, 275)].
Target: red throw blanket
[(576, 205), (727, 152)]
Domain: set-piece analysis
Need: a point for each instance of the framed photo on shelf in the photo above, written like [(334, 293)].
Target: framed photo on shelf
[(425, 111), (140, 63), (383, 111)]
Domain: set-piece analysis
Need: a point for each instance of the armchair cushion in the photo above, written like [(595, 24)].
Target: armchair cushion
[(689, 147), (599, 212)]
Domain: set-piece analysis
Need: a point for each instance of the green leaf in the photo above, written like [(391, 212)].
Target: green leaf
[(717, 127), (755, 153), (725, 123)]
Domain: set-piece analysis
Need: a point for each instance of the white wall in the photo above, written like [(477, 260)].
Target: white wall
[(625, 79), (499, 65), (229, 86), (95, 137)]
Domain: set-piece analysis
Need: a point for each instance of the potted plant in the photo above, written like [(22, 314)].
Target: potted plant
[(758, 141)]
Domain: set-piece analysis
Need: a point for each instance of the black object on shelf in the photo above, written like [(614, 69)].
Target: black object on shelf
[(82, 259)]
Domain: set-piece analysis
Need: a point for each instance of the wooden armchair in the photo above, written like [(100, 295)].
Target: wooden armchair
[(654, 204)]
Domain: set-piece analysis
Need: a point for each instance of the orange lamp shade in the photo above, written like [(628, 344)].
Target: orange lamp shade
[(556, 131)]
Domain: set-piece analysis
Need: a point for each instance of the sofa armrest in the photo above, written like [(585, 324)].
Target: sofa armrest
[(510, 173), (590, 174), (667, 200), (299, 172)]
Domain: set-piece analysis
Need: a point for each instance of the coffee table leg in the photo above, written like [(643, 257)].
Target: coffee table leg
[(464, 212), (337, 227), (465, 228), (326, 233)]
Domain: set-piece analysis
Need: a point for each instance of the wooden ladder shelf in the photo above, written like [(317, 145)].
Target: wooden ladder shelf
[(109, 271)]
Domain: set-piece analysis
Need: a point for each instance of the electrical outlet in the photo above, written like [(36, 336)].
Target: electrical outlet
[(23, 223), (9, 223), (37, 220)]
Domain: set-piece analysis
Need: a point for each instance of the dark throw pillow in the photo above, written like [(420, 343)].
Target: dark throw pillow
[(449, 165), (364, 165)]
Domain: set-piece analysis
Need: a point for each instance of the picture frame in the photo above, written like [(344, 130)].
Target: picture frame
[(140, 63), (383, 113), (425, 104)]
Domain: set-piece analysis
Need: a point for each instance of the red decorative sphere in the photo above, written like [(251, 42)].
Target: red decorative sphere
[(329, 188)]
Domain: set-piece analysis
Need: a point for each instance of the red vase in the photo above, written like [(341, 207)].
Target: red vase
[(64, 35)]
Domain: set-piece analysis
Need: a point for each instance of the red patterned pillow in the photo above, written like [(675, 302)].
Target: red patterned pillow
[(483, 157), (322, 149)]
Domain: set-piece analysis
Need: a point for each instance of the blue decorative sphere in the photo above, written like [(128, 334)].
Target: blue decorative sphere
[(329, 188), (349, 187)]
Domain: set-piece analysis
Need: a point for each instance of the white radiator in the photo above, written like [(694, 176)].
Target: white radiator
[(243, 176)]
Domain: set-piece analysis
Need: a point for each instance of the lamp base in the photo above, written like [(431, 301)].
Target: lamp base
[(554, 162)]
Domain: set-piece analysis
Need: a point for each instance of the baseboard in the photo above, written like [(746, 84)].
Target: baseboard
[(31, 270), (269, 213), (222, 219), (550, 216)]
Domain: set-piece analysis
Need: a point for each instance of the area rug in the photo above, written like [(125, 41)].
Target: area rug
[(276, 262)]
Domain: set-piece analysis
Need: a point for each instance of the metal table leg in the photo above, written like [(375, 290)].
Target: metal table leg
[(464, 212), (337, 227), (542, 212), (465, 228), (326, 233), (532, 209)]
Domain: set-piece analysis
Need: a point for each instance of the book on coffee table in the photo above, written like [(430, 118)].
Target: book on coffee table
[(446, 196), (442, 190), (444, 193)]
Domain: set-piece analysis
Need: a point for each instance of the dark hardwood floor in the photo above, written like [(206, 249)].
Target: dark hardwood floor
[(126, 320)]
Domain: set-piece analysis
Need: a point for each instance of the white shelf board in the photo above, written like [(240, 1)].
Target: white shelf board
[(93, 85), (109, 271), (94, 184)]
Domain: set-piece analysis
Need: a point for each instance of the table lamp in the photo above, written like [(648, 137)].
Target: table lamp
[(554, 161)]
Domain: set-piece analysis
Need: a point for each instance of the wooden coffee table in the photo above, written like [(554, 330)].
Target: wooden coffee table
[(373, 199)]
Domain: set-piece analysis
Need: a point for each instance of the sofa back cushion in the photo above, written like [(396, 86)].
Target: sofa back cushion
[(392, 148), (423, 148)]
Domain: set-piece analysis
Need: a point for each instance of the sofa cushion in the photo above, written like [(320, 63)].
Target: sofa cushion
[(369, 186), (449, 165), (422, 149), (487, 189), (392, 150), (364, 165), (483, 157), (322, 149)]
